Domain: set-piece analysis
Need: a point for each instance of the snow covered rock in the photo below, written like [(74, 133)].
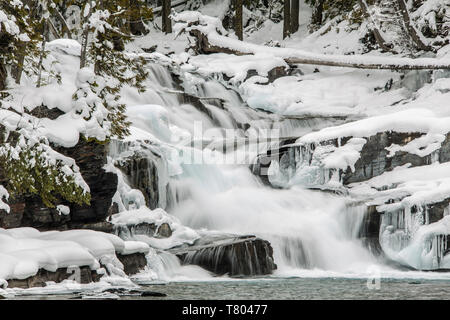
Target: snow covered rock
[(358, 151), (32, 258)]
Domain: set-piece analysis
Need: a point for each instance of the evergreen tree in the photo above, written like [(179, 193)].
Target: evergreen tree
[(113, 68)]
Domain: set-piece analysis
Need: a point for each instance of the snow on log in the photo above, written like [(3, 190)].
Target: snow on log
[(211, 37)]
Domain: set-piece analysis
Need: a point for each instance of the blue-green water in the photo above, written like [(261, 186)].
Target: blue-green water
[(291, 289)]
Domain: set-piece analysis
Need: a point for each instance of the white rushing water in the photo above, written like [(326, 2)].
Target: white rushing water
[(308, 230)]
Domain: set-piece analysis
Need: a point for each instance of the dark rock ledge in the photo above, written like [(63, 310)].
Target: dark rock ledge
[(132, 263), (229, 254)]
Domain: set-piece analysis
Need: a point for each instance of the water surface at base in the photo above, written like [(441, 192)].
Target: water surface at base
[(304, 288), (291, 289)]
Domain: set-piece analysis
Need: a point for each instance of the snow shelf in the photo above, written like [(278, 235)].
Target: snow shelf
[(24, 251)]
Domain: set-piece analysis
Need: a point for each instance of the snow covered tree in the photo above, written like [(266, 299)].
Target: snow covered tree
[(29, 166), (18, 37), (112, 67)]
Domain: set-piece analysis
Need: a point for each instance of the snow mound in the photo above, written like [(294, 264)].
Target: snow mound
[(23, 251)]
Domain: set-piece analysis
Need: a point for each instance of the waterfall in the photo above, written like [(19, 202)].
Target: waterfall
[(307, 229)]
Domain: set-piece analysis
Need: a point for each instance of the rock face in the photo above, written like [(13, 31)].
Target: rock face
[(132, 263), (91, 157), (30, 212), (142, 174), (374, 158), (369, 232), (13, 219), (146, 170), (86, 276), (232, 255)]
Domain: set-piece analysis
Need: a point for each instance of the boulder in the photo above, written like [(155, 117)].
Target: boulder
[(133, 263), (229, 254), (142, 172)]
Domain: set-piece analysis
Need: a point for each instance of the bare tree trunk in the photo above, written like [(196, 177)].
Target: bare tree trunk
[(371, 66), (136, 25), (166, 22), (317, 15), (5, 40), (376, 32), (287, 19), (3, 76), (410, 28), (295, 10), (238, 19), (84, 41), (65, 26), (41, 57), (17, 69)]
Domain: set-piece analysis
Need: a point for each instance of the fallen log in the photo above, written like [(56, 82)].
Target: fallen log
[(371, 66), (212, 39)]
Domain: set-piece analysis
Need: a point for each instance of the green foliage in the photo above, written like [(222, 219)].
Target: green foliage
[(29, 171), (333, 8)]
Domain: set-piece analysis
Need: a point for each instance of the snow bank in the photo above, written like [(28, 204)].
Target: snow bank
[(180, 234), (23, 251), (411, 120), (141, 215), (417, 186)]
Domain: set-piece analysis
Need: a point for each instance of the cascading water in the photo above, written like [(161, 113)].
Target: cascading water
[(307, 229)]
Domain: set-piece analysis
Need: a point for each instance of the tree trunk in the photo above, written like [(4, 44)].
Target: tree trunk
[(410, 28), (3, 76), (317, 15), (17, 69), (53, 30), (166, 22), (370, 66), (136, 25), (376, 32), (287, 19), (64, 24), (84, 41), (238, 19), (295, 10), (41, 57)]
